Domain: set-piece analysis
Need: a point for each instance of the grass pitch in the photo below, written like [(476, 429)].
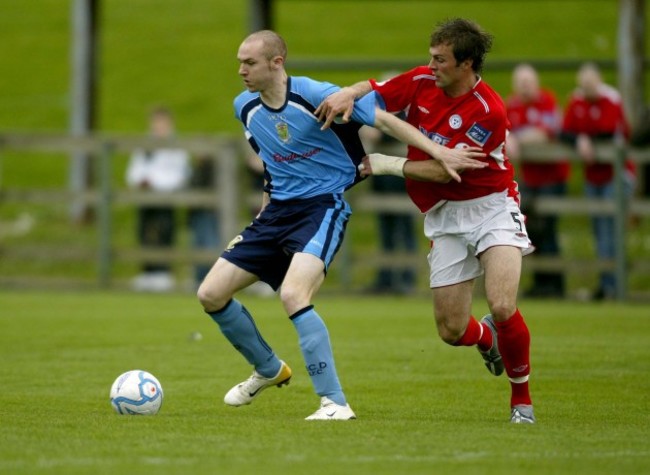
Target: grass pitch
[(423, 407)]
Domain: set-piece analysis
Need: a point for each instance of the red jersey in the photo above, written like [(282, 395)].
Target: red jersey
[(542, 113), (602, 118), (477, 118)]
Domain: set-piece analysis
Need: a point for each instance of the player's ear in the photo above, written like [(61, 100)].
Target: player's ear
[(277, 62)]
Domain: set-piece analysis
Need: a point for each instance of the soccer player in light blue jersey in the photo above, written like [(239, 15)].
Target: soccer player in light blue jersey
[(293, 240)]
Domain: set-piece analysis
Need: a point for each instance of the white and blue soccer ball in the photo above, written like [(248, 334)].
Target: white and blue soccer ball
[(136, 392)]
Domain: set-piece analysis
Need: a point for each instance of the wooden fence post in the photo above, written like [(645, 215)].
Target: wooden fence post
[(104, 206), (227, 192), (620, 223)]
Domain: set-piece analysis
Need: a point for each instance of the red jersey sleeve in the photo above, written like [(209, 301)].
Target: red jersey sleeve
[(396, 94)]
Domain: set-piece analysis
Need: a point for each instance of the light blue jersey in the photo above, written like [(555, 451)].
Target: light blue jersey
[(300, 160)]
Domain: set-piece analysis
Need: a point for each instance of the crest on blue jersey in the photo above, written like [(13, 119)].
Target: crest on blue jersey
[(283, 131), (478, 134)]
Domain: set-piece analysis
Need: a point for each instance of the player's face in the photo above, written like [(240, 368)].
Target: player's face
[(254, 68), (449, 73)]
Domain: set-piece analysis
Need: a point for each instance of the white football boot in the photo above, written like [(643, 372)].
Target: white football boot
[(522, 414), (330, 411), (246, 391)]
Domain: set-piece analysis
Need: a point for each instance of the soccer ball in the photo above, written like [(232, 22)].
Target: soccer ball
[(136, 392)]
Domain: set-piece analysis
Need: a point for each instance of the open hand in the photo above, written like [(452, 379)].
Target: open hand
[(341, 103), (457, 160)]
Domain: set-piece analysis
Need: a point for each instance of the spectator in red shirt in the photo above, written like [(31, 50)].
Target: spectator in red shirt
[(536, 118), (594, 116)]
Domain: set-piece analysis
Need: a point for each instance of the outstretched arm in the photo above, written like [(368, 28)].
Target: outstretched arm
[(453, 161), (420, 170)]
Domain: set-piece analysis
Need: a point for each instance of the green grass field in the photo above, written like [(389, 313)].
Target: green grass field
[(422, 406)]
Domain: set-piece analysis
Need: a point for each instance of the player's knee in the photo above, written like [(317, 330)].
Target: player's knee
[(204, 295), (448, 333), (502, 310), (210, 299), (293, 299), (449, 337)]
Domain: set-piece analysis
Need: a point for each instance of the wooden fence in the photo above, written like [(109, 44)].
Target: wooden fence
[(228, 201), (620, 208), (224, 199)]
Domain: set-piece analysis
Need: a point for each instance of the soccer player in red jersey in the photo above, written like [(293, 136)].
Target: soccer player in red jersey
[(535, 118), (475, 226), (595, 115)]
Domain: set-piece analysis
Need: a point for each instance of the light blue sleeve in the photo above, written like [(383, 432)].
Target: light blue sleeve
[(364, 109), (237, 107), (317, 91)]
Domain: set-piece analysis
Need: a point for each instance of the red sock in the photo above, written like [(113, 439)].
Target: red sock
[(476, 334), (514, 346)]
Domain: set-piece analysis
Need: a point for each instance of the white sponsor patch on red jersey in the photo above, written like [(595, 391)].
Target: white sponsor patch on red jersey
[(479, 135)]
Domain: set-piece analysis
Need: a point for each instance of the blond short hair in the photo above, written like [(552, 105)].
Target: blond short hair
[(273, 43)]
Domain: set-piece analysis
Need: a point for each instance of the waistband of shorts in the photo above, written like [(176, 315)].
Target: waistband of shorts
[(474, 201), (312, 199)]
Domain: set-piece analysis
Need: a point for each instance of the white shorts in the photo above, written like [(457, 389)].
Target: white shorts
[(460, 231)]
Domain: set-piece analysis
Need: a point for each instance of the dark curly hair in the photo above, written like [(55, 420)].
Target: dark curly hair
[(467, 39)]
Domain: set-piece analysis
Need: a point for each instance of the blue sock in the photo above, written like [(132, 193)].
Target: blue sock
[(238, 327), (317, 352)]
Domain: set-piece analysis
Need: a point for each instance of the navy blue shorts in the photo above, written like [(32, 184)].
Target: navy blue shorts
[(314, 225)]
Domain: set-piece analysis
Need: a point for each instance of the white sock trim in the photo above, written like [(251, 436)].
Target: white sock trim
[(519, 380)]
